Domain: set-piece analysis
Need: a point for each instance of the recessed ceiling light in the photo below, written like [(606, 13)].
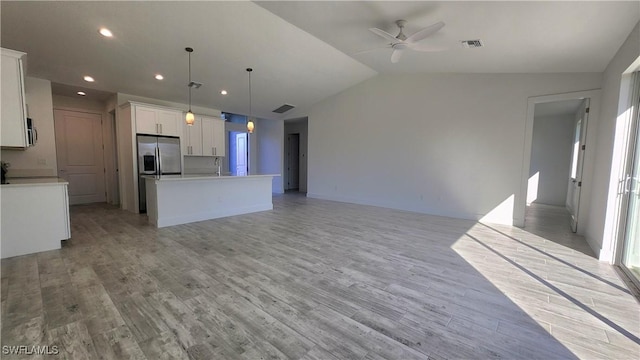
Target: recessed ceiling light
[(105, 32), (81, 93), (223, 92), (88, 79), (159, 77)]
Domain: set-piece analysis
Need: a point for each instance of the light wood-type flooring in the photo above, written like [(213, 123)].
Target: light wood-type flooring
[(317, 279)]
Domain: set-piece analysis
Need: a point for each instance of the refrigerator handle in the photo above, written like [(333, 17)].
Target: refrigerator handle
[(159, 162)]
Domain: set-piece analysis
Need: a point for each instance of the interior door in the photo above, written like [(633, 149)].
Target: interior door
[(577, 162), (293, 166), (241, 154), (80, 155)]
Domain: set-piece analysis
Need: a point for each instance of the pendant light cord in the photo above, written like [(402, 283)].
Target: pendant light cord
[(250, 109), (189, 80)]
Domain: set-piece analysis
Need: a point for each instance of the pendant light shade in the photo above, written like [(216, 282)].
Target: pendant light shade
[(189, 118), (250, 124)]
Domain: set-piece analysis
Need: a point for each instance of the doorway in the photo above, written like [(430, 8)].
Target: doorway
[(238, 153), (568, 161), (556, 157), (293, 162), (80, 155)]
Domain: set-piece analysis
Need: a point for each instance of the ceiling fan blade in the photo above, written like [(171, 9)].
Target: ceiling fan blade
[(370, 50), (384, 35), (395, 55), (428, 31), (426, 47)]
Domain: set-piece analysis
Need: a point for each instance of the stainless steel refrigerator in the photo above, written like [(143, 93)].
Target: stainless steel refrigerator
[(157, 155)]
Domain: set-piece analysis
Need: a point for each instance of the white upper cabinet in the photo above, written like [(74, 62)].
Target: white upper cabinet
[(169, 122), (146, 120), (156, 121), (14, 113), (213, 136), (192, 140), (205, 137)]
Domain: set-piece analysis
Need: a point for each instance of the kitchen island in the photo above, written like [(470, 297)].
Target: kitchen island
[(181, 199), (35, 215)]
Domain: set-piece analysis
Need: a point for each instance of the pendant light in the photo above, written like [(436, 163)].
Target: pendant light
[(190, 119), (250, 124)]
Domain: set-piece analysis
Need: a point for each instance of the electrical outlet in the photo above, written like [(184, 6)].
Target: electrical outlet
[(42, 161)]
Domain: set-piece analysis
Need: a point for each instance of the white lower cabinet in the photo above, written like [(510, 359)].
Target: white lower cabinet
[(35, 216)]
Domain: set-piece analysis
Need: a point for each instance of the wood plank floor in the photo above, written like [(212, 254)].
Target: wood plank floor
[(317, 279)]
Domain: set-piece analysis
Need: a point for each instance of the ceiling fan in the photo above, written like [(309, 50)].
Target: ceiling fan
[(401, 42)]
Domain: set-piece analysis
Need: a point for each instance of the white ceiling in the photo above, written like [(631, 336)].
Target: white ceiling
[(519, 36), (290, 66), (301, 52)]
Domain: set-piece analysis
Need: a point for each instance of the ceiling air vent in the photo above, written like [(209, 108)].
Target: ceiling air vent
[(284, 108), (194, 84), (472, 43)]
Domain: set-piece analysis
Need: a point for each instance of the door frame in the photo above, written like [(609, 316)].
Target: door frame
[(589, 154)]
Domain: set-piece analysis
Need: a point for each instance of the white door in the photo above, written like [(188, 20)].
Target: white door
[(241, 154), (293, 166), (577, 161), (80, 155)]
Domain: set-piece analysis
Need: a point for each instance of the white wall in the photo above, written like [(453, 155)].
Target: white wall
[(551, 157), (445, 144), (39, 160), (270, 150), (602, 225), (299, 127)]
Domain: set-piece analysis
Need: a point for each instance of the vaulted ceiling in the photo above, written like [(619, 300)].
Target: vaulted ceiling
[(301, 51)]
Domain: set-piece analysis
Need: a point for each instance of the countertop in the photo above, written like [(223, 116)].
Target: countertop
[(204, 177), (40, 181)]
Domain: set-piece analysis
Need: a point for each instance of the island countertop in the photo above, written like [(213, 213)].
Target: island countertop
[(36, 181), (204, 177)]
